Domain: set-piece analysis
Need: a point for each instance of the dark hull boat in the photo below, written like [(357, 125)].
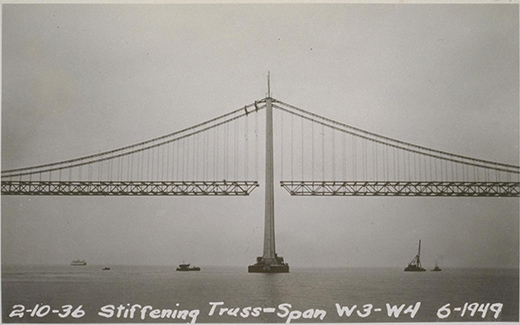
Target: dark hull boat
[(415, 264), (437, 269), (186, 267), (414, 268)]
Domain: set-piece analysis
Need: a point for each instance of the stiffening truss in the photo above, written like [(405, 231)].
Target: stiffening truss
[(129, 188), (402, 188)]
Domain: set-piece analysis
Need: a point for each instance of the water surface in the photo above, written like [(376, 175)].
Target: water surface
[(312, 293)]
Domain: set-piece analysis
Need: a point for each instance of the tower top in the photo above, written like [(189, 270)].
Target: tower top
[(268, 84)]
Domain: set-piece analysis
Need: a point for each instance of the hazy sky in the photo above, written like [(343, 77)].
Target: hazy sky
[(82, 79)]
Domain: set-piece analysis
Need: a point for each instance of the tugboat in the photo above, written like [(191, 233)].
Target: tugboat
[(437, 269), (78, 263), (415, 264), (186, 267), (106, 268)]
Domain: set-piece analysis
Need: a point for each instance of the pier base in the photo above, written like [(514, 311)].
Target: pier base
[(269, 265)]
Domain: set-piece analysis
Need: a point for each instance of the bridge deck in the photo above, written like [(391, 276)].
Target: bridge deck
[(129, 188), (402, 188)]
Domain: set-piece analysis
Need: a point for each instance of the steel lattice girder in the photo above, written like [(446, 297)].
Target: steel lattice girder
[(129, 188), (402, 188)]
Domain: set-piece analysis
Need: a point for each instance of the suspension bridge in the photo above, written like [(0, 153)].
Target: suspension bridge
[(316, 156)]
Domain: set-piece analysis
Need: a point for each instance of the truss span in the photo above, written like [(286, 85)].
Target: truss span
[(129, 188), (402, 188)]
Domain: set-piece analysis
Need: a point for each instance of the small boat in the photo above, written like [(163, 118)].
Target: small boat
[(78, 263), (437, 269), (415, 264), (106, 268), (186, 267)]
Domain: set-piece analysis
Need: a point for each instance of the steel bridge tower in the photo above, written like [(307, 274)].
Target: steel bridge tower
[(269, 262)]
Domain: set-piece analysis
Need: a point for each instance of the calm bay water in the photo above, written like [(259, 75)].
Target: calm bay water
[(162, 287)]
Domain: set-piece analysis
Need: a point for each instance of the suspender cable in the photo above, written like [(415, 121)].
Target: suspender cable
[(140, 165), (175, 160), (414, 166), (431, 167), (256, 145), (292, 147), (281, 143), (200, 156), (354, 158), (343, 158), (246, 149), (425, 169), (131, 175), (312, 151), (157, 166), (186, 154), (194, 161), (210, 157), (151, 163), (215, 150), (160, 156), (160, 165), (384, 163), (403, 164), (322, 152), (302, 147), (168, 161), (226, 151), (183, 158), (365, 159), (236, 149), (333, 155), (148, 164), (398, 166), (205, 171), (374, 147), (190, 166)]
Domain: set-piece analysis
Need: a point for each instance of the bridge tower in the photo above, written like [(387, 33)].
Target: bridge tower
[(269, 262)]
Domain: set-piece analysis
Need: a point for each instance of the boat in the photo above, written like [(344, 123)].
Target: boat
[(106, 268), (437, 269), (186, 267), (415, 264), (78, 263)]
